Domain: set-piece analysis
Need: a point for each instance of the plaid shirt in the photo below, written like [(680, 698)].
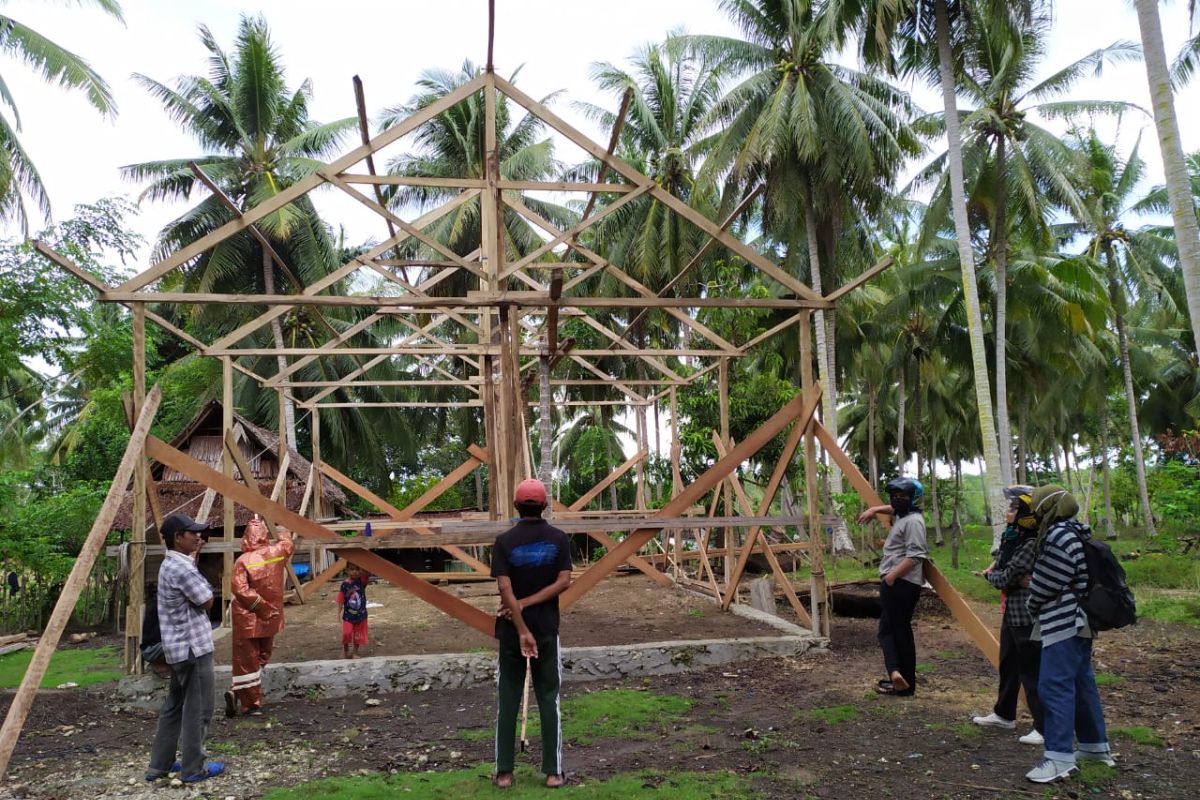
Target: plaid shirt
[(182, 593), (1008, 578)]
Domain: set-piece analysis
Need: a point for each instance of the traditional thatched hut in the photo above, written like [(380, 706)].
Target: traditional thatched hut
[(201, 439)]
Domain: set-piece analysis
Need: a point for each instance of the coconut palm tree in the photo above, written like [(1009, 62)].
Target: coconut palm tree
[(1017, 171), (18, 176), (907, 28), (257, 139), (1133, 261), (791, 100), (1183, 209)]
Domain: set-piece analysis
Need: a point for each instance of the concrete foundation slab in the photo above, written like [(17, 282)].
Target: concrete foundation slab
[(339, 678)]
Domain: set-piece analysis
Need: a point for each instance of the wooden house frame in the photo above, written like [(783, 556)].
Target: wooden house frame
[(514, 315)]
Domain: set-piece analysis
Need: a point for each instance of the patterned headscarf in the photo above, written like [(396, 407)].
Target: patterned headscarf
[(1052, 504)]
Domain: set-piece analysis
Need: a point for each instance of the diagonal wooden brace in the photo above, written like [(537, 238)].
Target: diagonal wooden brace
[(799, 410), (980, 634), (280, 515)]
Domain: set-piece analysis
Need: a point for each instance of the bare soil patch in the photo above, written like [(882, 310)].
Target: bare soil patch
[(622, 609), (779, 723)]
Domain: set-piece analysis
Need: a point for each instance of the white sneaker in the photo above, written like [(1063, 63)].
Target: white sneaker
[(1033, 737), (1104, 758), (1048, 771), (994, 720)]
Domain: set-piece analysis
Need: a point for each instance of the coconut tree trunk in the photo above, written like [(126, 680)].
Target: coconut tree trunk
[(1000, 262), (993, 480), (1183, 210), (289, 408), (955, 524), (824, 366), (872, 458), (1117, 297), (933, 489), (901, 402), (1110, 530), (1022, 441)]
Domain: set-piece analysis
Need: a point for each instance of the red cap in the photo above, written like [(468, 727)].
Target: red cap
[(531, 490)]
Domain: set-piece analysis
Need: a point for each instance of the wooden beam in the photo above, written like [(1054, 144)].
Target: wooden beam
[(403, 515), (608, 480), (859, 280), (201, 473), (781, 578), (18, 709), (793, 411), (980, 633)]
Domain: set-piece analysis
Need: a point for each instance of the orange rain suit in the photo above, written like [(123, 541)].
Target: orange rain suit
[(258, 583)]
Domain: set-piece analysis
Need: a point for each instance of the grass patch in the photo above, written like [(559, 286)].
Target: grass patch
[(607, 714), (965, 730), (696, 612), (1138, 734), (1094, 775), (84, 666), (467, 784), (1164, 607), (1161, 570), (831, 715), (1108, 679), (950, 655), (924, 669)]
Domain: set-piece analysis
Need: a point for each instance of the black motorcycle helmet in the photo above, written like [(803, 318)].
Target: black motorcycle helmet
[(1020, 499), (909, 486)]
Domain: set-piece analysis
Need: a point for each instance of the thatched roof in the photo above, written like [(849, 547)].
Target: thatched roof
[(202, 440)]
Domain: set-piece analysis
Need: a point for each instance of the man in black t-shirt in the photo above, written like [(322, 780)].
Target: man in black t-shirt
[(531, 563)]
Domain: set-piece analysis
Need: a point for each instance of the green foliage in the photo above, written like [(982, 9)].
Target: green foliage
[(1174, 607), (44, 533), (466, 784), (85, 666), (1108, 679), (1174, 497), (410, 488)]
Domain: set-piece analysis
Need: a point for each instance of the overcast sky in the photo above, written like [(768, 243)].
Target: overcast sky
[(389, 44)]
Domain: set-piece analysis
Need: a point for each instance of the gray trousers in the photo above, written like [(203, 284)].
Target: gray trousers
[(184, 718)]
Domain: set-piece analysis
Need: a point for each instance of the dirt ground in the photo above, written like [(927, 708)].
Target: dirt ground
[(621, 610), (750, 718)]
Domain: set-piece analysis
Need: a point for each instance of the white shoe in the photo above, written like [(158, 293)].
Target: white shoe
[(994, 720), (1033, 737), (1048, 771), (1104, 758)]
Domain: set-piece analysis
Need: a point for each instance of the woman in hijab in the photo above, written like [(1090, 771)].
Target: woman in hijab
[(1066, 685)]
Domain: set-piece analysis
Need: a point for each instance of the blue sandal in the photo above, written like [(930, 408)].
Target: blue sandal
[(211, 770)]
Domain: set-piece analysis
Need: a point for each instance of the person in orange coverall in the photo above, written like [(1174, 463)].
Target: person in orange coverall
[(258, 582)]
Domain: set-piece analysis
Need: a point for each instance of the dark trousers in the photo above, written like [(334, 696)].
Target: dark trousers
[(546, 677), (897, 603), (1020, 663), (184, 718)]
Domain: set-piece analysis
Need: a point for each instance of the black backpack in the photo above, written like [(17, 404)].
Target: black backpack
[(1108, 602)]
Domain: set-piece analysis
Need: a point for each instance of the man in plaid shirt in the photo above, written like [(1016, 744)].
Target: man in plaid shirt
[(1020, 655), (184, 599)]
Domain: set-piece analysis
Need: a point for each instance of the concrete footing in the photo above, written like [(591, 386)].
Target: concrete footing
[(339, 678)]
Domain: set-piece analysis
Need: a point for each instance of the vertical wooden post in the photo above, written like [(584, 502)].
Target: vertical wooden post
[(135, 611), (816, 555), (318, 504), (544, 468), (228, 519), (727, 534), (640, 475), (283, 444), (676, 477)]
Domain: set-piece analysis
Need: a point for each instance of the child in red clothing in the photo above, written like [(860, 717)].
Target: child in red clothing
[(352, 598)]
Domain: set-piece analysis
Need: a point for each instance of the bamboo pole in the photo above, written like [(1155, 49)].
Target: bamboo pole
[(18, 710), (728, 537)]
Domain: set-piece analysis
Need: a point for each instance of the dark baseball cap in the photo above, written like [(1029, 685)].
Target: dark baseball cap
[(176, 523)]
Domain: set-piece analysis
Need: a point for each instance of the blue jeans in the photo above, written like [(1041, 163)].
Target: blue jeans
[(1070, 700)]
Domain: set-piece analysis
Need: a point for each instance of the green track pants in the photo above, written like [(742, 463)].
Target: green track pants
[(510, 684)]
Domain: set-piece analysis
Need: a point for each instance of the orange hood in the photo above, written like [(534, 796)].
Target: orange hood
[(255, 536)]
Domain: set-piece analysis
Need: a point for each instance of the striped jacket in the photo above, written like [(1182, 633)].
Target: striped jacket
[(1058, 573)]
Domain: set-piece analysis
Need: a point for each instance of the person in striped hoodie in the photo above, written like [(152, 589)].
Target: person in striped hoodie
[(1066, 684)]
